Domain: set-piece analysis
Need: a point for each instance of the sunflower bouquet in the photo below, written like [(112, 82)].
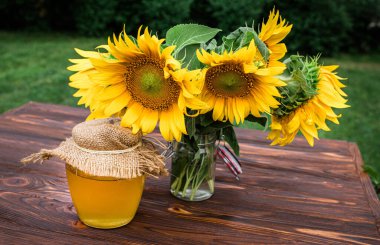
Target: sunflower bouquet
[(197, 88)]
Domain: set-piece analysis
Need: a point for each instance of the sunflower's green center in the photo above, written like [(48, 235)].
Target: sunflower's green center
[(228, 80), (150, 80), (147, 85)]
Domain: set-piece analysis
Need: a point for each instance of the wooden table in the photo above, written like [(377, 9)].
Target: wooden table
[(293, 194)]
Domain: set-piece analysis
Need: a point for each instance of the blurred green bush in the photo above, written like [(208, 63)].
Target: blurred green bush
[(319, 25)]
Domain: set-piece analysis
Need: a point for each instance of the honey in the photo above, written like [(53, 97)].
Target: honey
[(104, 202)]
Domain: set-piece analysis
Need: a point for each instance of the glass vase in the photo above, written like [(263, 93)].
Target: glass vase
[(104, 202), (193, 168)]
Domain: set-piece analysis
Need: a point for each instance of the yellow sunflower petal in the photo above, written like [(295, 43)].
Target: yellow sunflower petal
[(149, 121), (131, 115), (166, 53), (179, 119), (112, 91), (164, 126), (117, 104), (308, 137), (218, 109)]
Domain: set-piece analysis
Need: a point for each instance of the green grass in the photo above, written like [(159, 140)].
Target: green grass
[(33, 67)]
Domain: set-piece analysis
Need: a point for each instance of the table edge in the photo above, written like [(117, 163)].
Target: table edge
[(369, 190), (14, 110)]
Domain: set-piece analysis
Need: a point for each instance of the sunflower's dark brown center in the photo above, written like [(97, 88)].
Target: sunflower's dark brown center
[(147, 85), (228, 80)]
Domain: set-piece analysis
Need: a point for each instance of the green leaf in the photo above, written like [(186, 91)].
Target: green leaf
[(206, 119), (237, 39), (230, 138), (260, 120), (190, 141), (189, 57), (210, 46), (241, 37), (187, 34), (214, 127)]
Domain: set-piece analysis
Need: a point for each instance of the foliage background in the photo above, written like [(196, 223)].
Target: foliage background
[(329, 27), (38, 36)]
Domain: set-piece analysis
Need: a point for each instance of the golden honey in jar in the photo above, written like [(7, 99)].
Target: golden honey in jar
[(104, 202)]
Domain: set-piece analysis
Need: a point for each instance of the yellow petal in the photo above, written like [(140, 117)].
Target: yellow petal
[(117, 104), (179, 119), (112, 91), (165, 127), (181, 102), (308, 137), (250, 68), (166, 53), (240, 108), (217, 113), (131, 115), (294, 124), (149, 121), (86, 83), (87, 54), (83, 64), (106, 78), (202, 58), (230, 110)]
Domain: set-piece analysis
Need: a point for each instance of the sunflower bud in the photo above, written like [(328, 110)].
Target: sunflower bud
[(301, 78), (310, 94)]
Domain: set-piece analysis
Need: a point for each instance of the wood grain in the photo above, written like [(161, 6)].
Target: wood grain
[(293, 194)]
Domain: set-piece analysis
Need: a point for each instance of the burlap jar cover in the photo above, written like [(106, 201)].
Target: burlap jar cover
[(103, 148)]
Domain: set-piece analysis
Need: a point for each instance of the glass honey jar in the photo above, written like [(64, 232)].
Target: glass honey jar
[(104, 202)]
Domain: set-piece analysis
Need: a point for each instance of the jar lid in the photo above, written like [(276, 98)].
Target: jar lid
[(103, 148)]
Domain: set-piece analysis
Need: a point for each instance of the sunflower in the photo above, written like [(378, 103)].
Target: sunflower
[(311, 114), (235, 87), (137, 81), (272, 33)]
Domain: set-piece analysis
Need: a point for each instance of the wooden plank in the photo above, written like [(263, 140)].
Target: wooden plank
[(286, 195)]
